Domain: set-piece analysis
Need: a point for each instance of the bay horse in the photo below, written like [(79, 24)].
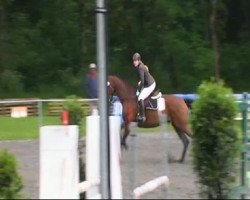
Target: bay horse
[(175, 108)]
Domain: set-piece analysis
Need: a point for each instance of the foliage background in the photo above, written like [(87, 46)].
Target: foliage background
[(46, 46)]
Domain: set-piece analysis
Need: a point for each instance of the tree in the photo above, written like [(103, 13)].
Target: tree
[(216, 140)]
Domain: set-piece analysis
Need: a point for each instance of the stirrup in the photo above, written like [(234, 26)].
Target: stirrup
[(141, 119)]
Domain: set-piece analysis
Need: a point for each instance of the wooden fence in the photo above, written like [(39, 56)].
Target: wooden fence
[(55, 108), (30, 104)]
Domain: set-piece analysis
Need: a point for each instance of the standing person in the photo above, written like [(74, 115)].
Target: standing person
[(91, 85), (117, 108), (91, 82), (146, 84)]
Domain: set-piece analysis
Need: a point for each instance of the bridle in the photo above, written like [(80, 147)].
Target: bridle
[(113, 90)]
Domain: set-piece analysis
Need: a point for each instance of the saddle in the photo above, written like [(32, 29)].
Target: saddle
[(151, 102)]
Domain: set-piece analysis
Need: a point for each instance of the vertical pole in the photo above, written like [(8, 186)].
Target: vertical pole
[(103, 103), (134, 161), (40, 113), (245, 140)]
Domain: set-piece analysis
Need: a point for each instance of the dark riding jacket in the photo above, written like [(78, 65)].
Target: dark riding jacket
[(145, 77)]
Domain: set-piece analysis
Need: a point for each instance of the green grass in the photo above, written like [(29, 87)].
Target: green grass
[(28, 127), (23, 128)]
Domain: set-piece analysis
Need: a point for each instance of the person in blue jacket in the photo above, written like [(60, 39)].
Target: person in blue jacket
[(91, 86), (91, 82)]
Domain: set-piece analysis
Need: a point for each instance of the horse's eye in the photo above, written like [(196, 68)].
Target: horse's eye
[(108, 83)]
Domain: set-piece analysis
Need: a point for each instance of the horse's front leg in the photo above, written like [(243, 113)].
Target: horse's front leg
[(125, 135)]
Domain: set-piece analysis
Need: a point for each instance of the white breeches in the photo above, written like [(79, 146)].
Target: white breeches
[(146, 92)]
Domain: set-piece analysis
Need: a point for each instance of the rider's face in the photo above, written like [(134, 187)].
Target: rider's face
[(136, 63)]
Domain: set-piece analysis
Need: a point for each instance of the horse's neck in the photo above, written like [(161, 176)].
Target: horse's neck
[(123, 95), (124, 92)]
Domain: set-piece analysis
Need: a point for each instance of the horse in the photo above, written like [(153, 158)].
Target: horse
[(175, 108)]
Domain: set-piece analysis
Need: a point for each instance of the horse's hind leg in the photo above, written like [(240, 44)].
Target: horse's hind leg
[(185, 142)]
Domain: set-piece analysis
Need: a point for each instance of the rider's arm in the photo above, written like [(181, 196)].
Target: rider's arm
[(141, 75)]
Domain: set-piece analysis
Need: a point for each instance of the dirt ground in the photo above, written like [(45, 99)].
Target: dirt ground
[(145, 159)]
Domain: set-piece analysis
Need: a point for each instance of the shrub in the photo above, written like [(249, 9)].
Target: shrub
[(216, 139), (74, 109), (10, 181)]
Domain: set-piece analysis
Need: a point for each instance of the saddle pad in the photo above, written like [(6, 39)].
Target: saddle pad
[(152, 104)]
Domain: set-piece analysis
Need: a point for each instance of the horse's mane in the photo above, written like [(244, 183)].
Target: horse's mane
[(124, 84)]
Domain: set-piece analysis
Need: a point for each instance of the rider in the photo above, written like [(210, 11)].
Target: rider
[(146, 85)]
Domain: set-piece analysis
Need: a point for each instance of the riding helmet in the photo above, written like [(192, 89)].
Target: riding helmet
[(92, 66), (136, 56)]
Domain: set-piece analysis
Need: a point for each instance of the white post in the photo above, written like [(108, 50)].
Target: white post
[(93, 154), (59, 162), (115, 156), (93, 157)]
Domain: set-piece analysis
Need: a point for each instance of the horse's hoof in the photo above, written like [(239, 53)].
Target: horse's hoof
[(124, 146), (181, 161), (172, 160)]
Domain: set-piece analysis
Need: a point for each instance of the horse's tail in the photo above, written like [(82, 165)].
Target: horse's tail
[(187, 130), (190, 134)]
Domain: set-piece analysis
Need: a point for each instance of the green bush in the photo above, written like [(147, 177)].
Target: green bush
[(216, 139), (10, 181), (74, 109)]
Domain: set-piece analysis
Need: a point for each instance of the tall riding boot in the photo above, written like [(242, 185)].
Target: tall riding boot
[(142, 117)]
